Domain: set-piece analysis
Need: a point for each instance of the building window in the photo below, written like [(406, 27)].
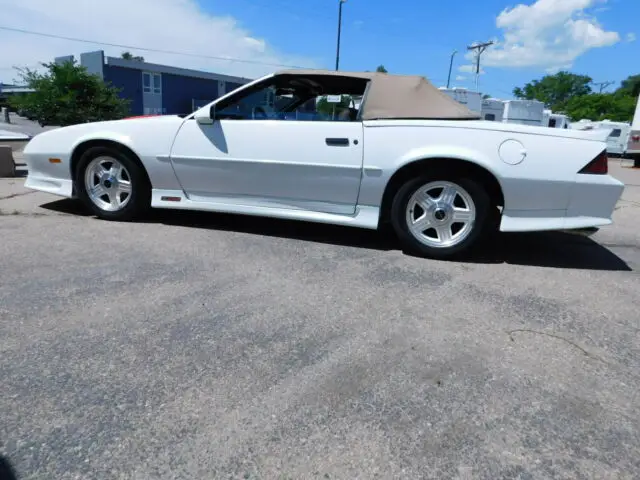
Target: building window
[(490, 116), (157, 84), (152, 83), (553, 123), (146, 82)]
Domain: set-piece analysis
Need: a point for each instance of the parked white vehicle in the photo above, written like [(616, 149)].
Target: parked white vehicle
[(581, 124), (524, 112), (555, 120), (470, 99), (410, 156), (617, 134), (633, 147), (492, 109), (618, 138)]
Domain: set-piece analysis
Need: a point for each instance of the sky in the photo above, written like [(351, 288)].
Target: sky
[(531, 37)]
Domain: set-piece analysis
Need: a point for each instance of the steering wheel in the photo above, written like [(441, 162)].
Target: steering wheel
[(261, 111)]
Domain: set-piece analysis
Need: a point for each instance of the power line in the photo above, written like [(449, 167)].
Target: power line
[(603, 85), (147, 49), (479, 49)]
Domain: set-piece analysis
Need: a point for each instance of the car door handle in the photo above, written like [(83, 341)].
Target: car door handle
[(337, 142)]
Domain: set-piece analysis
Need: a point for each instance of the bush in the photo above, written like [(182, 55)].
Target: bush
[(66, 94)]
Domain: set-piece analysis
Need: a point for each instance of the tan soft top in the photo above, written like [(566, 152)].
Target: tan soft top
[(399, 96)]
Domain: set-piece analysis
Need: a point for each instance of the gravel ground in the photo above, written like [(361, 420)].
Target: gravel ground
[(197, 346)]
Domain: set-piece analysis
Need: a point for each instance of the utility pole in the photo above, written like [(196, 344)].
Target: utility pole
[(479, 49), (340, 2), (450, 67), (603, 85)]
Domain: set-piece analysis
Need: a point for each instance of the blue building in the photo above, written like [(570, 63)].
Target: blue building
[(157, 89)]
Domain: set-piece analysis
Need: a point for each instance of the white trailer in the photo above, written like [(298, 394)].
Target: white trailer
[(470, 99), (492, 109), (554, 120), (618, 139), (524, 112), (584, 124), (633, 146)]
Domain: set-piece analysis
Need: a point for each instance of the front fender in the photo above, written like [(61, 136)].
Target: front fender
[(107, 136), (149, 139)]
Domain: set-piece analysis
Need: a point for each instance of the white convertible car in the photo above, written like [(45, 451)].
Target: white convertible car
[(408, 155)]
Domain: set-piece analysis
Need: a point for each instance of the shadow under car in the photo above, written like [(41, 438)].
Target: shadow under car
[(540, 249)]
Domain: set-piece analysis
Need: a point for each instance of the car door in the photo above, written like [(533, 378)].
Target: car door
[(272, 160)]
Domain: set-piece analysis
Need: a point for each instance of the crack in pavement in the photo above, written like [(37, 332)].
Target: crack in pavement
[(552, 335), (14, 195), (18, 213)]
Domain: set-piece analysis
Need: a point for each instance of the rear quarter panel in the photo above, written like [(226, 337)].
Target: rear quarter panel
[(541, 181)]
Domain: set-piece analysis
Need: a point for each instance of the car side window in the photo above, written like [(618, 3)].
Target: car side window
[(616, 133), (299, 101)]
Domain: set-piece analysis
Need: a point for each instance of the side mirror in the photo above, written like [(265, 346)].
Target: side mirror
[(206, 118)]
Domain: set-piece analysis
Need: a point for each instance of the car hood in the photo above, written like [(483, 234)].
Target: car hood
[(124, 131)]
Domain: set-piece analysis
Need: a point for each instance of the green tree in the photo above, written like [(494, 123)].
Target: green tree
[(66, 94), (630, 86), (381, 69), (130, 56), (601, 106), (329, 109), (555, 90)]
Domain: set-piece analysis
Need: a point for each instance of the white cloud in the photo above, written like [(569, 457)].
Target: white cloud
[(470, 69), (631, 37), (176, 25), (461, 78), (547, 34)]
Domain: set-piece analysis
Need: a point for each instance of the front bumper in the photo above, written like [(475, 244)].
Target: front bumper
[(55, 186)]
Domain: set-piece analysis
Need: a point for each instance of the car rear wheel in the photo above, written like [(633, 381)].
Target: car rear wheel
[(112, 185), (440, 217)]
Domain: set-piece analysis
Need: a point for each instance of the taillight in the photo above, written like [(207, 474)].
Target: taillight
[(597, 166), (636, 138)]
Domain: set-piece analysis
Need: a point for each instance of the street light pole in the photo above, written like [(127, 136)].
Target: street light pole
[(340, 2), (450, 68)]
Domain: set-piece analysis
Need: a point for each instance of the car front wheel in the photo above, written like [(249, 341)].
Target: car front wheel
[(111, 184), (440, 217)]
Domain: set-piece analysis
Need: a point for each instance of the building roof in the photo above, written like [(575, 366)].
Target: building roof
[(8, 88), (185, 72), (399, 96)]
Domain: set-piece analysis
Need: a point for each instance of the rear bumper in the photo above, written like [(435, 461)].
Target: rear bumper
[(593, 201), (594, 196)]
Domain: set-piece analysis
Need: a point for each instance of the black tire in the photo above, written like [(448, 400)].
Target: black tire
[(484, 221), (140, 197)]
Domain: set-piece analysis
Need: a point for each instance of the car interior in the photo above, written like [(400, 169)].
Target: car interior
[(291, 93)]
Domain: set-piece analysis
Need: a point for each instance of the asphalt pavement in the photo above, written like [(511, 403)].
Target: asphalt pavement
[(202, 346)]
